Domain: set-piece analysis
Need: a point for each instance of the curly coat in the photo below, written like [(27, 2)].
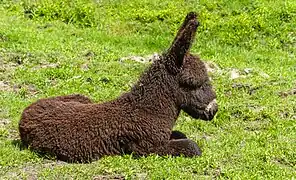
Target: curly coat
[(75, 129)]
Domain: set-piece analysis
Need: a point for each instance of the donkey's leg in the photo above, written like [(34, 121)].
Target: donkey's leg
[(177, 147), (178, 135), (72, 98)]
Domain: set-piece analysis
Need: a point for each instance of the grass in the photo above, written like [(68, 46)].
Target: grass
[(50, 48)]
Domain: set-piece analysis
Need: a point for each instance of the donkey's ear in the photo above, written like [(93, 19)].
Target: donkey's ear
[(189, 16), (183, 40)]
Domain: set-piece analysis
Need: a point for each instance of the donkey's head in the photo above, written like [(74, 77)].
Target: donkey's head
[(197, 97)]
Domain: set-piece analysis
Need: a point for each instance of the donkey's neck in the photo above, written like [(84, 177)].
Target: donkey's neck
[(156, 92)]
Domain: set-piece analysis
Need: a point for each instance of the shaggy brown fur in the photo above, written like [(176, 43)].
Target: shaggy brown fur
[(140, 121)]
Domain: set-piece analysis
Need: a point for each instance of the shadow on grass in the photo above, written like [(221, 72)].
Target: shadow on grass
[(19, 144), (50, 156)]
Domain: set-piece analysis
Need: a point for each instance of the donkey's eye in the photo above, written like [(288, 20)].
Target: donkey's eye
[(190, 86), (191, 83)]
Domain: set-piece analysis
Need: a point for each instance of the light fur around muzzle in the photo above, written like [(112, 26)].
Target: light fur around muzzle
[(212, 104)]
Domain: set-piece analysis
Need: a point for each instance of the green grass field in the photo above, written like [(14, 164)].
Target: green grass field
[(56, 47)]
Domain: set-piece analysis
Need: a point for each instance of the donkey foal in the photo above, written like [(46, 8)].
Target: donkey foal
[(140, 121)]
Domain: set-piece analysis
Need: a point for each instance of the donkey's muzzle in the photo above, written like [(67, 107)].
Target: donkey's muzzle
[(210, 111), (207, 113)]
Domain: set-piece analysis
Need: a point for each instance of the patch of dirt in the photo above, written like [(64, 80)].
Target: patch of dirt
[(234, 74), (213, 172), (141, 59), (247, 87), (217, 172), (7, 67), (140, 176), (212, 67), (18, 58), (84, 67), (13, 134), (288, 114), (284, 163), (256, 108), (287, 93), (255, 125), (90, 55), (27, 89), (4, 122), (4, 86), (32, 89), (31, 170), (46, 65), (109, 177), (207, 137)]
